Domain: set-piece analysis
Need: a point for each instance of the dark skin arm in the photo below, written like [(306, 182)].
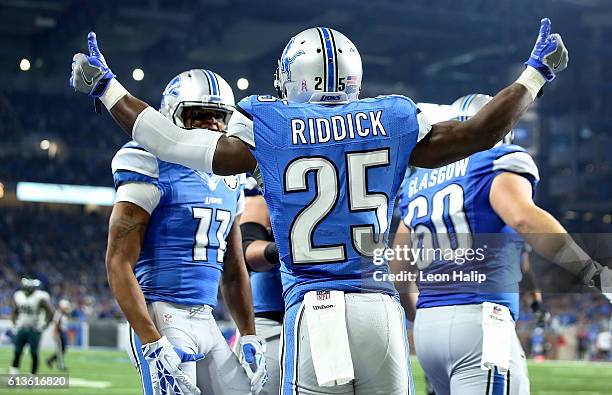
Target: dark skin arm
[(447, 141), (450, 141), (231, 157), (127, 227), (235, 283), (256, 210)]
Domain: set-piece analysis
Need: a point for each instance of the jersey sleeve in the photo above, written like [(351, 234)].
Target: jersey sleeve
[(241, 123), (407, 105), (132, 163), (424, 125), (515, 159)]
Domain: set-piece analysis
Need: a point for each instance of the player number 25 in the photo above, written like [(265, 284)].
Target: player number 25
[(364, 238)]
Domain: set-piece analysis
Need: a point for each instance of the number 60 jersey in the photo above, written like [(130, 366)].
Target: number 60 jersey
[(450, 217), (330, 176)]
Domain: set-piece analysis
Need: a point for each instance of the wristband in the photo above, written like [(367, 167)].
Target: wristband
[(113, 93), (532, 80)]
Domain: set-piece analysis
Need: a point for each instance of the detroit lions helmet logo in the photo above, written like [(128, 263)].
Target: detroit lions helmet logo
[(172, 89), (287, 60)]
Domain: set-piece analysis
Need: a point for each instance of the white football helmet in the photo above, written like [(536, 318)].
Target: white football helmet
[(467, 106), (319, 65), (196, 88)]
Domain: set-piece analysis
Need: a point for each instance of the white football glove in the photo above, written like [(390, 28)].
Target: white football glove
[(166, 375), (252, 359)]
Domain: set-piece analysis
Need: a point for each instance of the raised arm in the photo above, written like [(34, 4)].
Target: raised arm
[(204, 149), (450, 141)]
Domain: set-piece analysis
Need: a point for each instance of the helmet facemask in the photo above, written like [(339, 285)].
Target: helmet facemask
[(197, 88)]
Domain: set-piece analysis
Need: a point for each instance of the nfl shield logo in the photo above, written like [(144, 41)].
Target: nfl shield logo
[(323, 295), (167, 319)]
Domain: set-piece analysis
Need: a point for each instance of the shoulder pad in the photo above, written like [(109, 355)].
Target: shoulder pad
[(137, 159), (514, 159)]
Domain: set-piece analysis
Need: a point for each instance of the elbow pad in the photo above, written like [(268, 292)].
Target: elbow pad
[(191, 148), (252, 231)]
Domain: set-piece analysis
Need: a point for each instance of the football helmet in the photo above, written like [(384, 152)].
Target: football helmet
[(196, 88), (319, 60), (467, 106)]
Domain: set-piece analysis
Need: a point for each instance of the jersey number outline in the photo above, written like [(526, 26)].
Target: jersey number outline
[(363, 237), (421, 233), (202, 242)]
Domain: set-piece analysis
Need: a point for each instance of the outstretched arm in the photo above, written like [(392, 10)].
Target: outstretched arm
[(205, 150), (450, 141), (510, 197)]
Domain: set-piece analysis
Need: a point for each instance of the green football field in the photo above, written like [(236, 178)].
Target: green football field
[(110, 372)]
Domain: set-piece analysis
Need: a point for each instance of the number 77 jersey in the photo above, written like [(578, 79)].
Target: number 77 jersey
[(330, 176)]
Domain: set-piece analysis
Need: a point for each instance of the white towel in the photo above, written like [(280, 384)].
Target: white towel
[(329, 345), (497, 332)]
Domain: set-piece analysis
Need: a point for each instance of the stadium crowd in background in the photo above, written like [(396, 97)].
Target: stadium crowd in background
[(70, 265)]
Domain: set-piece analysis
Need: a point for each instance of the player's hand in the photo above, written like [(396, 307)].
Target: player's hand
[(252, 359), (90, 74), (541, 314), (598, 276), (549, 55), (166, 375)]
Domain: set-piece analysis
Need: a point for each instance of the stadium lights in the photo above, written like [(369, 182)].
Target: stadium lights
[(24, 65), (607, 219), (137, 74), (1, 190), (242, 83), (45, 144)]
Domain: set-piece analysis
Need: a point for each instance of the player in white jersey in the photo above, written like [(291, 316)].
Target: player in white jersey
[(32, 312), (174, 241), (464, 329)]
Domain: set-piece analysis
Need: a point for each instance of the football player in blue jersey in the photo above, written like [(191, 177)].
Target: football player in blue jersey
[(261, 256), (462, 220), (331, 164), (173, 239)]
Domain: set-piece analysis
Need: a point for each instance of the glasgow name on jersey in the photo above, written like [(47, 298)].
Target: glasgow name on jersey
[(449, 209)]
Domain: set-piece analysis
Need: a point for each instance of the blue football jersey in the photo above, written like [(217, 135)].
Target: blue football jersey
[(467, 255), (266, 287), (183, 250), (330, 176)]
